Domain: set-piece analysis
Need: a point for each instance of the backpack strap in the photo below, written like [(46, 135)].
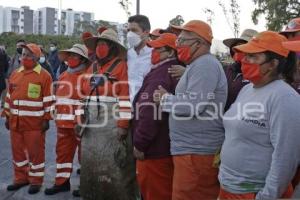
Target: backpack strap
[(113, 66)]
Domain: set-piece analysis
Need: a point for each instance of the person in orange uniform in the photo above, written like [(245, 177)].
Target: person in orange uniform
[(67, 107), (110, 51), (27, 109)]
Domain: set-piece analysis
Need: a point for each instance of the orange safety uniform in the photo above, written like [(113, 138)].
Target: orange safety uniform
[(67, 108), (118, 90), (155, 178), (28, 103), (195, 177)]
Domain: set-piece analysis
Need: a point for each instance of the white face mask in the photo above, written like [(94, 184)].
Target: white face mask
[(52, 48), (133, 39), (42, 59)]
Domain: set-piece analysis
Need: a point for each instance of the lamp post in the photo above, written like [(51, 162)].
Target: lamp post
[(59, 16), (137, 7)]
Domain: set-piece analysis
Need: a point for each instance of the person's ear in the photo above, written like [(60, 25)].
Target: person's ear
[(171, 53), (198, 44), (272, 66), (145, 35), (275, 63)]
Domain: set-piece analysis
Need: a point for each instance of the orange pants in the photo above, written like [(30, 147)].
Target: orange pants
[(195, 178), (66, 145), (154, 177), (227, 195), (28, 150), (296, 179)]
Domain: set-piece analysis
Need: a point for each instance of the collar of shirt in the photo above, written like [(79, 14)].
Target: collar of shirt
[(36, 69), (144, 51), (162, 62)]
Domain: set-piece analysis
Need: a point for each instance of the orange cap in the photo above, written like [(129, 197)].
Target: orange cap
[(292, 26), (292, 45), (265, 41), (199, 27), (156, 32), (165, 39), (33, 48)]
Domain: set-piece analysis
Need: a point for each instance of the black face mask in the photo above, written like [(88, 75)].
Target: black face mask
[(19, 50)]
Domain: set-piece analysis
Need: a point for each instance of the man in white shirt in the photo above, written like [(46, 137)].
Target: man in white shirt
[(139, 54)]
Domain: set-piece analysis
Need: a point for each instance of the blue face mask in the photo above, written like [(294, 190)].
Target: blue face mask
[(42, 59)]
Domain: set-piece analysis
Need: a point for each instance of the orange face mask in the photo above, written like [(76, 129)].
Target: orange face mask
[(102, 51), (238, 56), (251, 72), (73, 62), (155, 57), (184, 53), (28, 63)]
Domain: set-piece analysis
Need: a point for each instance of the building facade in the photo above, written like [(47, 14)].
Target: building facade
[(41, 21)]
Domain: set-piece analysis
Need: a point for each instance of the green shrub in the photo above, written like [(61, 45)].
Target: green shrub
[(63, 42)]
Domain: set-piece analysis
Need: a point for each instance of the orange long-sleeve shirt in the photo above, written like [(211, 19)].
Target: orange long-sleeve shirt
[(29, 99), (68, 95), (118, 89)]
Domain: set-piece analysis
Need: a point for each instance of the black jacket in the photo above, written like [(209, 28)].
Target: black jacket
[(3, 69)]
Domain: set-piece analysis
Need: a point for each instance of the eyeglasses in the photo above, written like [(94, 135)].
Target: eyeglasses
[(161, 50), (182, 40)]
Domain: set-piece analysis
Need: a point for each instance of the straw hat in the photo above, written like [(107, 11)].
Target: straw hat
[(78, 49), (244, 38), (108, 35)]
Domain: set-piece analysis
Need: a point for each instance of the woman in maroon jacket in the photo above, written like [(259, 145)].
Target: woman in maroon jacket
[(150, 126), (233, 71)]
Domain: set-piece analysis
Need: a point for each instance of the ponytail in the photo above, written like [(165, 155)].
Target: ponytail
[(287, 65), (290, 68)]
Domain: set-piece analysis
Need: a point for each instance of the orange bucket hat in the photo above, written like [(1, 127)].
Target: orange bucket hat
[(199, 27), (265, 41), (165, 39)]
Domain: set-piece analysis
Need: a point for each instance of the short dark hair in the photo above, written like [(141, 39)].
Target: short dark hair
[(54, 43), (114, 49), (142, 21), (21, 40)]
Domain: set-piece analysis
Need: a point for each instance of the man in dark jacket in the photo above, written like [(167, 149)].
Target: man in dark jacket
[(53, 57), (3, 69), (15, 61)]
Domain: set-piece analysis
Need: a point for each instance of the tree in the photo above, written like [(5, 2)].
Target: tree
[(278, 12), (210, 15), (125, 5), (10, 39), (177, 21), (92, 27), (233, 20)]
